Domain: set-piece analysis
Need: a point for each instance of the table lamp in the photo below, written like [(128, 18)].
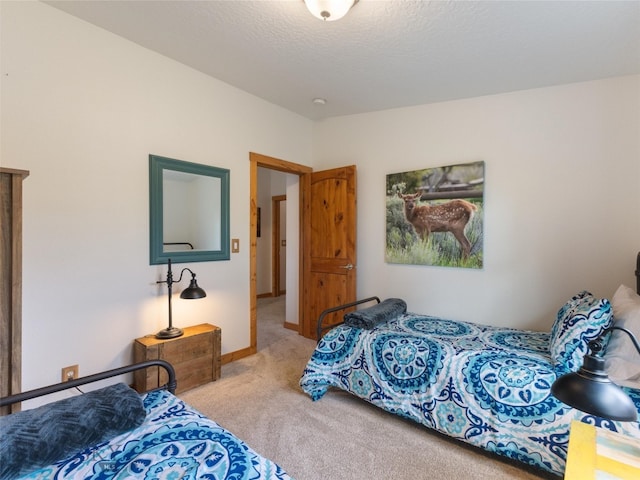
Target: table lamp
[(193, 291), (590, 389)]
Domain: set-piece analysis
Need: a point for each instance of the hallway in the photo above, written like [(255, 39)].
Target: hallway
[(270, 321)]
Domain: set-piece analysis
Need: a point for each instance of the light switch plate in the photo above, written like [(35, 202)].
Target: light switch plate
[(235, 245)]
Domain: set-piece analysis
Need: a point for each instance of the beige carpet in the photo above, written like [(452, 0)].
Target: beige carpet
[(338, 437)]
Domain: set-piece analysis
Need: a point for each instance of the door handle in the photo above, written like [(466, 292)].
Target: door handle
[(348, 266)]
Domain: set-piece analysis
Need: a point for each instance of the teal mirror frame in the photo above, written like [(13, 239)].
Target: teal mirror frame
[(158, 255)]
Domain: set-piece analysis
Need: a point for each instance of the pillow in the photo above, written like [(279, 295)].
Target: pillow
[(35, 438), (575, 300), (370, 317), (582, 319), (622, 360)]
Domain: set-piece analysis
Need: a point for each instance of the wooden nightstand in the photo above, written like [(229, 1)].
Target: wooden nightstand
[(195, 357)]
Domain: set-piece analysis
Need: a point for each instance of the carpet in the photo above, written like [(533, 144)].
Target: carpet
[(338, 437)]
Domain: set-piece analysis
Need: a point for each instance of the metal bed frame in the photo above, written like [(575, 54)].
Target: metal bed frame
[(58, 387), (320, 328)]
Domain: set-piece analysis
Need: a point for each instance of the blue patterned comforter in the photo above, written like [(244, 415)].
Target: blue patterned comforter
[(487, 386), (175, 441)]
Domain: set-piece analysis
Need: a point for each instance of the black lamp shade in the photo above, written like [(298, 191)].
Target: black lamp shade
[(590, 390), (193, 291)]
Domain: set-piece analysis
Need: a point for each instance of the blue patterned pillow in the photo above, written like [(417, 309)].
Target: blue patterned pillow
[(571, 304), (579, 321), (35, 438)]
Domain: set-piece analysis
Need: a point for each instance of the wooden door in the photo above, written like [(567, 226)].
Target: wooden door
[(329, 244)]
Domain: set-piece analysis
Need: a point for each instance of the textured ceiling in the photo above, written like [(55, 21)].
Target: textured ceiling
[(384, 53)]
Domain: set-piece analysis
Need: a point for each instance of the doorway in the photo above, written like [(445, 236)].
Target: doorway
[(326, 266), (263, 161)]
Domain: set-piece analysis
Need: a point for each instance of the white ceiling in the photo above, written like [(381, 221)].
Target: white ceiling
[(384, 53)]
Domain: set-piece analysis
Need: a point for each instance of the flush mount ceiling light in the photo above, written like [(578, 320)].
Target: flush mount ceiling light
[(329, 10)]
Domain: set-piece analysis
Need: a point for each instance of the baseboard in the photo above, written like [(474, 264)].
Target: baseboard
[(264, 295), (292, 326), (237, 355)]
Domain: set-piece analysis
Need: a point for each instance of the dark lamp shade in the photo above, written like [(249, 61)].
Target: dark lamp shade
[(193, 291), (590, 390)]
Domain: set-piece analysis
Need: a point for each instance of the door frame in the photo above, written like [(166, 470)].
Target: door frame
[(276, 272), (258, 160)]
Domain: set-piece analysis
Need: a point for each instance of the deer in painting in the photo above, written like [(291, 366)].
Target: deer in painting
[(451, 216)]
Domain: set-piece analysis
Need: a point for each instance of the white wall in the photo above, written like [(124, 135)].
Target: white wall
[(263, 243), (271, 183), (282, 246), (82, 109), (562, 197), (293, 248)]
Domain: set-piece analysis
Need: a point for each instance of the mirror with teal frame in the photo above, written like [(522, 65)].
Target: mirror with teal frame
[(189, 211)]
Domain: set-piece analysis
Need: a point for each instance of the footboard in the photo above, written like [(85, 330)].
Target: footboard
[(320, 328), (58, 387), (115, 432)]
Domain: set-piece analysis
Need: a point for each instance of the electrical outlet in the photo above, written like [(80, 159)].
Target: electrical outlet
[(70, 373)]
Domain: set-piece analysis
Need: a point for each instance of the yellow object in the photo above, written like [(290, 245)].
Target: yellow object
[(599, 454)]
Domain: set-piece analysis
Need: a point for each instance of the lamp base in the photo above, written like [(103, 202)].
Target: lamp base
[(171, 332)]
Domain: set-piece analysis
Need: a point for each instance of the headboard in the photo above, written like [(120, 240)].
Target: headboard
[(58, 387), (638, 274)]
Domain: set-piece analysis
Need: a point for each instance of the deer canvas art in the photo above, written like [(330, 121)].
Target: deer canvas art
[(434, 216)]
